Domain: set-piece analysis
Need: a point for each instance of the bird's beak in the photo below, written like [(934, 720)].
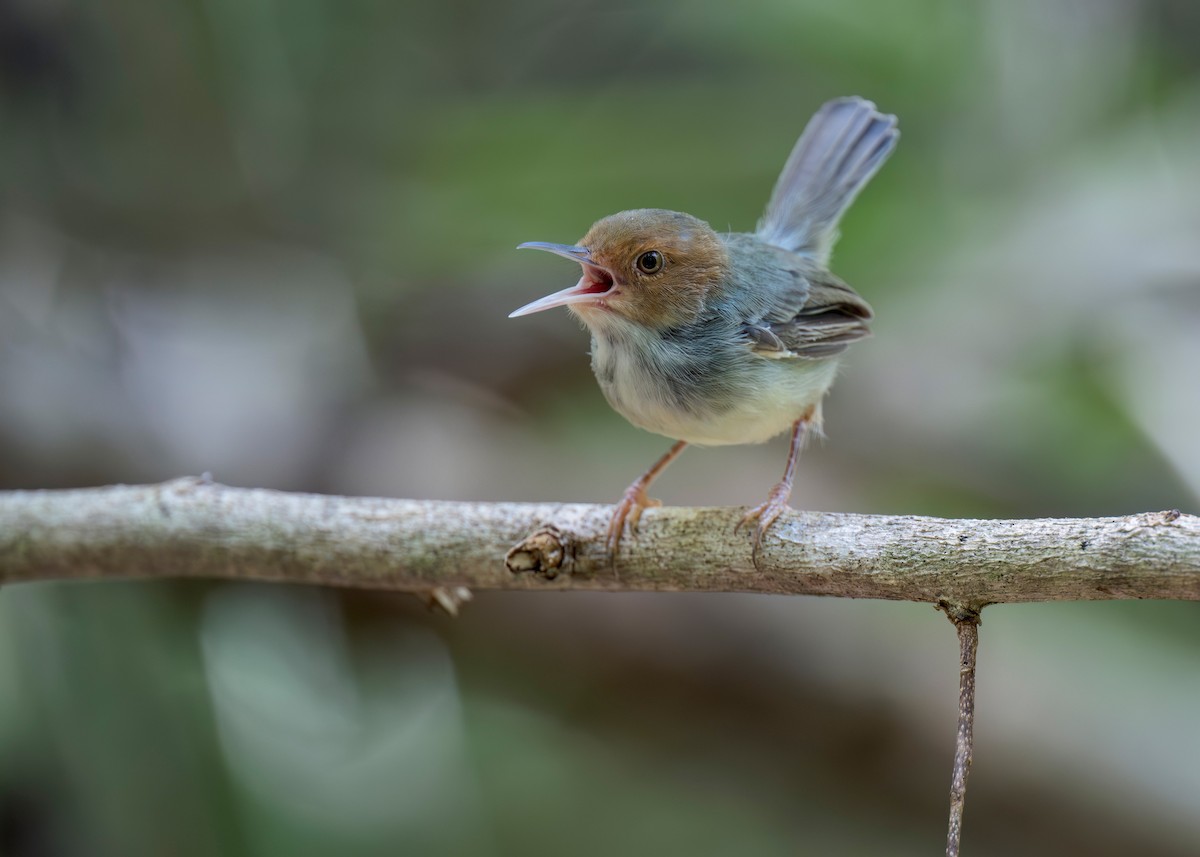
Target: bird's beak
[(595, 282)]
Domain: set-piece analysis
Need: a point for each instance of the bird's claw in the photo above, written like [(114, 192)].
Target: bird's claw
[(629, 509), (766, 514)]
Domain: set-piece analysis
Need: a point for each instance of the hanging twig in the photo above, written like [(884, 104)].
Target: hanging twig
[(966, 623)]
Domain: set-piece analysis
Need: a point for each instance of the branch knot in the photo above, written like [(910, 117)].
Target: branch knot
[(542, 552)]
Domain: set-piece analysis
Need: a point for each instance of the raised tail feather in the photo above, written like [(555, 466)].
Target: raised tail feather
[(844, 144)]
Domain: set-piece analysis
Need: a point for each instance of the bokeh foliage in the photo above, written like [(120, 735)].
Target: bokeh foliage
[(274, 241)]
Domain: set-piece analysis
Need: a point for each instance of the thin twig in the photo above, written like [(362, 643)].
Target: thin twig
[(966, 623)]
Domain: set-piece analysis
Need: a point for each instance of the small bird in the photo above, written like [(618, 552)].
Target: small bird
[(731, 338)]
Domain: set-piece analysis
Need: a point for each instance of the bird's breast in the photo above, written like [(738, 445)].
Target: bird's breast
[(703, 386)]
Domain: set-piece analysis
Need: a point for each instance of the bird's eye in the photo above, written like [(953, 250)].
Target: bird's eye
[(650, 262)]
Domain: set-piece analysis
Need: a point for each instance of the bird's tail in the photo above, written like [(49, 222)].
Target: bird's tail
[(844, 144)]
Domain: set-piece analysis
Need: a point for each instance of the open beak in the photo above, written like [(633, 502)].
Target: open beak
[(595, 282)]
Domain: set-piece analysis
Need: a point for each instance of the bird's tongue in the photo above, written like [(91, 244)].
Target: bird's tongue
[(595, 281)]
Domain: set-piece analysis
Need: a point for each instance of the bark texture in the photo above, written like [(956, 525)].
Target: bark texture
[(193, 528)]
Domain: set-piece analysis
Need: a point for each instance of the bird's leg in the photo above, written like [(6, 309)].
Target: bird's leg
[(777, 500), (635, 500)]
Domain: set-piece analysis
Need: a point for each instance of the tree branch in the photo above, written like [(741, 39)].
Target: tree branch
[(966, 623), (197, 529)]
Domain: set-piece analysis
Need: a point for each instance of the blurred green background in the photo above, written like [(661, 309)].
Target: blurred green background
[(274, 241)]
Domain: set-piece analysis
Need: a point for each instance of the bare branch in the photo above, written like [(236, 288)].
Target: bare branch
[(194, 528), (966, 622)]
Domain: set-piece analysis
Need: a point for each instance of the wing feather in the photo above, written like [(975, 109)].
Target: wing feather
[(826, 319)]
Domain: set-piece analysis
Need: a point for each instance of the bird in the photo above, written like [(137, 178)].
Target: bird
[(728, 338)]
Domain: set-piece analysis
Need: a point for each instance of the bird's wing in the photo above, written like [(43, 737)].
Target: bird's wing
[(819, 318)]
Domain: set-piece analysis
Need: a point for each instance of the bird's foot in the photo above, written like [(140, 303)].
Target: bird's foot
[(629, 508), (764, 516)]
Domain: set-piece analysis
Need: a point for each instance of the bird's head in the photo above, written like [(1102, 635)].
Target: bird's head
[(648, 266)]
